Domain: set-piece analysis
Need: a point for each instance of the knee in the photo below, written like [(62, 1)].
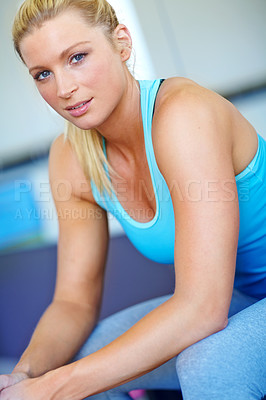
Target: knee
[(200, 369), (213, 368), (206, 365), (197, 366)]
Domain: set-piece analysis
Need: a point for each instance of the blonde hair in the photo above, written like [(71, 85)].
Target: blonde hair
[(88, 144)]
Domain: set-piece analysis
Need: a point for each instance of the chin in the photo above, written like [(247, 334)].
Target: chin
[(84, 125), (91, 124)]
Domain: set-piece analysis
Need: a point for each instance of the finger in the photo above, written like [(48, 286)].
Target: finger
[(4, 382), (3, 395), (11, 379)]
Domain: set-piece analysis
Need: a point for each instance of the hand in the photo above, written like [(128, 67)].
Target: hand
[(27, 389), (11, 379)]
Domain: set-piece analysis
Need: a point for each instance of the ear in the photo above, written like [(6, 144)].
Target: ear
[(123, 41)]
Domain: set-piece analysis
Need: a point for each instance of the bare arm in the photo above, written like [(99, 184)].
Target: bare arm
[(205, 253), (82, 249)]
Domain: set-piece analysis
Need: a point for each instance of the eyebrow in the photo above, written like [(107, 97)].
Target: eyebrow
[(62, 55)]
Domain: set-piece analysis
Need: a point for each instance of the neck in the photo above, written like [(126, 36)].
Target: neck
[(123, 130)]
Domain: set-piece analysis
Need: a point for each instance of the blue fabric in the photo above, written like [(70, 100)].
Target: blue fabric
[(155, 239), (251, 252), (230, 364)]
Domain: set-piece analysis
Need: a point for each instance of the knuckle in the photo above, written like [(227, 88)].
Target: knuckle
[(3, 381)]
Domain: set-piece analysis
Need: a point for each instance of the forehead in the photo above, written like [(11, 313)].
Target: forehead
[(57, 34)]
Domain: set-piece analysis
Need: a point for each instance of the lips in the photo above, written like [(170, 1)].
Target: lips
[(79, 109), (76, 106)]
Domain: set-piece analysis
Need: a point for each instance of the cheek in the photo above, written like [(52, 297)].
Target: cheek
[(102, 72), (94, 76), (111, 85), (48, 94)]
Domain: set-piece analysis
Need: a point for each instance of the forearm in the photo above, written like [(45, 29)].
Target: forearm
[(59, 334), (155, 339)]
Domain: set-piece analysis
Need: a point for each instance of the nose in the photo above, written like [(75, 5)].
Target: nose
[(66, 86)]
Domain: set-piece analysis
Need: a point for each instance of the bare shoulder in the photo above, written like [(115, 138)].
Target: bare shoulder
[(192, 130), (185, 108), (182, 94), (65, 169), (188, 115)]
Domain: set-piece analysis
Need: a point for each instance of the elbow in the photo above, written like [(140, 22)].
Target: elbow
[(213, 321), (202, 318), (218, 312), (220, 324), (207, 326), (207, 317)]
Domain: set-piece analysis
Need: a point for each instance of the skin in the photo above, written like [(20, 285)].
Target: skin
[(213, 146)]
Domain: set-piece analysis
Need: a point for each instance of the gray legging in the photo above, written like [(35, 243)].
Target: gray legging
[(228, 365)]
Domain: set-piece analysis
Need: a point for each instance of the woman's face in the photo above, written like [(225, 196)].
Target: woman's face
[(76, 69)]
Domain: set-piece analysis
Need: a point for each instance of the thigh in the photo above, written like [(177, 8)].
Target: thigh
[(110, 328), (229, 364), (115, 325)]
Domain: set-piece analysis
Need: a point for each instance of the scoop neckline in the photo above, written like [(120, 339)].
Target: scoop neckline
[(119, 206)]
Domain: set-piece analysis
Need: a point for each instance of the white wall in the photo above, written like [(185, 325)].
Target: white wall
[(27, 124), (141, 64), (218, 43)]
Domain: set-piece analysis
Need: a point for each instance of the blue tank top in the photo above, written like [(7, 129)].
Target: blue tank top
[(155, 239)]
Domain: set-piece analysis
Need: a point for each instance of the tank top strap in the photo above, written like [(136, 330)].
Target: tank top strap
[(148, 94), (149, 91)]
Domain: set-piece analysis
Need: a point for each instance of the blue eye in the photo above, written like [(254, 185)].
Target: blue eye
[(42, 75), (77, 58)]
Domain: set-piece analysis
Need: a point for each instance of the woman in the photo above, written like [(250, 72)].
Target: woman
[(184, 155)]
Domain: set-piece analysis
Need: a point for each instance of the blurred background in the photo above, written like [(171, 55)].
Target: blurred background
[(219, 44)]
